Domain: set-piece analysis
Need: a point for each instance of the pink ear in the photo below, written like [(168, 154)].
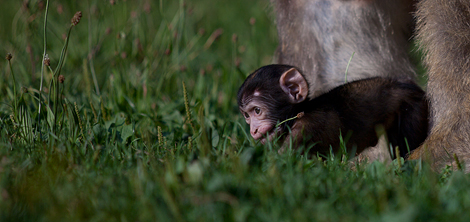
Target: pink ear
[(294, 85)]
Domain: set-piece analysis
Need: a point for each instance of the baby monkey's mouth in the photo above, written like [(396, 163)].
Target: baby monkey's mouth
[(278, 129), (271, 135)]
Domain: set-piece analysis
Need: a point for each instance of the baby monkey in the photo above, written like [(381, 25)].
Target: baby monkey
[(358, 111)]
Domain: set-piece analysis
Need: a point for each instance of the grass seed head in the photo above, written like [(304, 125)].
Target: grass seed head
[(9, 56), (252, 21), (61, 78), (47, 61), (76, 18), (234, 38)]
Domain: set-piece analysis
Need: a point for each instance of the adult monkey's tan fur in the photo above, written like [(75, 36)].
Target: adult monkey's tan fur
[(319, 37)]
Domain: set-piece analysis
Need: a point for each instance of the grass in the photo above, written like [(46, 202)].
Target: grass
[(145, 125)]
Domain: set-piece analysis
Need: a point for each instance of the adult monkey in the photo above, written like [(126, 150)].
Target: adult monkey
[(319, 35)]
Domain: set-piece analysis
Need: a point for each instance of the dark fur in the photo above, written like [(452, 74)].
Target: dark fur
[(357, 108)]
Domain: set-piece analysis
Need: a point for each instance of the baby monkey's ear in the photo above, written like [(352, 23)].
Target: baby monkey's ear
[(294, 85)]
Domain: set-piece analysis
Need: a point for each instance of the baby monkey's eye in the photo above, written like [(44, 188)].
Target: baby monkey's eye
[(257, 110)]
